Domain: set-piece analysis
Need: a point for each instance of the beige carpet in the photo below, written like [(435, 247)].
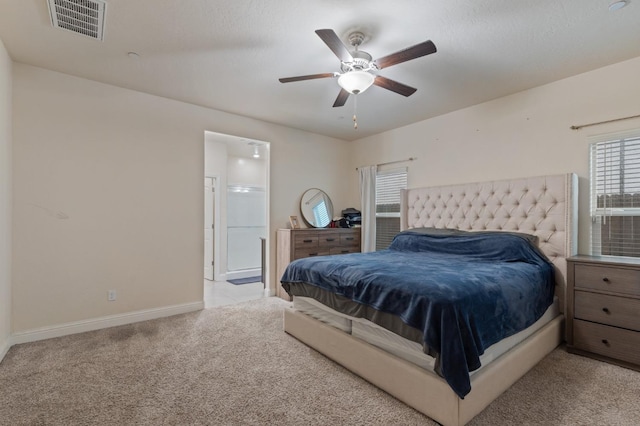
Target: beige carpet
[(235, 366)]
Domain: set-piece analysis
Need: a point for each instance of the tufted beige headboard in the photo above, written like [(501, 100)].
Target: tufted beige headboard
[(544, 206)]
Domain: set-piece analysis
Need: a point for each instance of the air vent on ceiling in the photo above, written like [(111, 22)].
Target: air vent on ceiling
[(84, 17)]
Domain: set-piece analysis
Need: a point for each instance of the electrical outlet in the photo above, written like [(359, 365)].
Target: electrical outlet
[(111, 295)]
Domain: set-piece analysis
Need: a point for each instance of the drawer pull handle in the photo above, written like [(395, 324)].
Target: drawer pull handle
[(313, 254), (331, 239), (345, 251), (605, 279), (606, 310), (606, 342), (348, 238), (307, 241)]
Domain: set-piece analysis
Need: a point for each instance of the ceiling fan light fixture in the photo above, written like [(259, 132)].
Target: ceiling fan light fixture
[(356, 82), (617, 5)]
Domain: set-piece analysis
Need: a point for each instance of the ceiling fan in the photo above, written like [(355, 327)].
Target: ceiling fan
[(357, 66)]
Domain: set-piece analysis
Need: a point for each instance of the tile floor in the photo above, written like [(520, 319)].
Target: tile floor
[(220, 293)]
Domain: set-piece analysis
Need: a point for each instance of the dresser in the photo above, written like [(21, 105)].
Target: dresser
[(603, 308), (292, 244)]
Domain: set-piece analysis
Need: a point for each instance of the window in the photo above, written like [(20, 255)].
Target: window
[(321, 213), (388, 186), (615, 197)]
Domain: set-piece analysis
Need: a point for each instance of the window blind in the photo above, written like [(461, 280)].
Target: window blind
[(388, 186), (321, 213), (615, 197)]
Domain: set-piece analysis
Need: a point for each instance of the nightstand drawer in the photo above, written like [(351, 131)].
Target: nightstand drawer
[(605, 309), (607, 278), (609, 341)]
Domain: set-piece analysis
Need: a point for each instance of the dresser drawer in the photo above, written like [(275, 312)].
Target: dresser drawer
[(311, 251), (607, 278), (350, 239), (609, 341), (329, 239), (305, 240), (300, 243), (605, 309), (345, 250)]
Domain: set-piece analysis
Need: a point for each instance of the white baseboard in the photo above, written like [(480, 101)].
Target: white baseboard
[(102, 322), (244, 273), (4, 348)]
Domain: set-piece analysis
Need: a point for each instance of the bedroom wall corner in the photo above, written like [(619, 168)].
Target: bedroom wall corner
[(5, 199)]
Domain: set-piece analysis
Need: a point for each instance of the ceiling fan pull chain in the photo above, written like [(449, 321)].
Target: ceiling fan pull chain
[(355, 111)]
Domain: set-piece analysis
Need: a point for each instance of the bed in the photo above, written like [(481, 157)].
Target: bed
[(390, 349)]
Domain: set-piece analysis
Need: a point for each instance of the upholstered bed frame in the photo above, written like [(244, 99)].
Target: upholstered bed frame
[(544, 206)]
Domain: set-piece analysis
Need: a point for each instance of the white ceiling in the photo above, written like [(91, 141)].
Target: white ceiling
[(228, 55)]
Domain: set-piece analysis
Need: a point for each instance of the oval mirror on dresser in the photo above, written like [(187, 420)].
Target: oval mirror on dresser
[(316, 208)]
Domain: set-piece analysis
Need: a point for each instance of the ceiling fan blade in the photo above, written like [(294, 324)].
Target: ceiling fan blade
[(341, 99), (306, 77), (413, 52), (394, 86), (335, 44)]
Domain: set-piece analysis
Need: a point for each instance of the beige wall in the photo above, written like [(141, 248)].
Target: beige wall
[(108, 195), (5, 199), (526, 134)]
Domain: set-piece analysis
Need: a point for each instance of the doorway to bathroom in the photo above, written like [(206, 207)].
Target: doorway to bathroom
[(236, 219)]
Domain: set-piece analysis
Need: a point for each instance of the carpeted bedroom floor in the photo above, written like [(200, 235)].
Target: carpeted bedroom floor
[(235, 366)]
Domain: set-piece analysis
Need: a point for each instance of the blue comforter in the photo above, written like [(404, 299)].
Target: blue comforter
[(465, 291)]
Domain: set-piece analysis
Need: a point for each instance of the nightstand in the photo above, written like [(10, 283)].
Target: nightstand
[(603, 308)]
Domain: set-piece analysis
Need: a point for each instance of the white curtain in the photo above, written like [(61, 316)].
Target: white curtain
[(368, 206)]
